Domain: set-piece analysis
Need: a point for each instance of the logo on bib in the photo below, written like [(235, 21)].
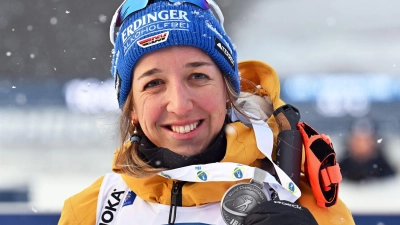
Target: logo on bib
[(130, 197), (111, 206)]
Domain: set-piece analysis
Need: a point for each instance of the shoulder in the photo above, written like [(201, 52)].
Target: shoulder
[(81, 208), (241, 145), (337, 214)]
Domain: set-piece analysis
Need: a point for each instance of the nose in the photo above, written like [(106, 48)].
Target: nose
[(180, 100)]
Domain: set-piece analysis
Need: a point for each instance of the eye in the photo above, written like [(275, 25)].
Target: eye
[(199, 76), (153, 83)]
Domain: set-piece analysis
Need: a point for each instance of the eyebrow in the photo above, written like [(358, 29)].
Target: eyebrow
[(149, 73), (187, 66), (197, 64)]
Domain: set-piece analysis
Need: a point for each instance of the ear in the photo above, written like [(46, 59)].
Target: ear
[(229, 100), (134, 116)]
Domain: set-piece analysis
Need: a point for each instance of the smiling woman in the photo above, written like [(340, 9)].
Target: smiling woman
[(178, 103), (181, 103), (187, 145)]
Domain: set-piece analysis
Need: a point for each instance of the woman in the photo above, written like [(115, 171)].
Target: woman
[(177, 79)]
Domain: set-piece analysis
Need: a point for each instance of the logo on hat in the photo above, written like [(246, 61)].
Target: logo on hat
[(224, 51), (152, 23), (153, 40)]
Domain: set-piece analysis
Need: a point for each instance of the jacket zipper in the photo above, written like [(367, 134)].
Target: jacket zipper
[(176, 200)]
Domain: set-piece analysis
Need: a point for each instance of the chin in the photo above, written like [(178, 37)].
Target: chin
[(186, 152)]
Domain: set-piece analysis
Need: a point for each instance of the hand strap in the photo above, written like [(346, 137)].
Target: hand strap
[(321, 168)]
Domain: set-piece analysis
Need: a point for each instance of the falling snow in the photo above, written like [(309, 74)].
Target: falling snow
[(53, 21), (102, 18)]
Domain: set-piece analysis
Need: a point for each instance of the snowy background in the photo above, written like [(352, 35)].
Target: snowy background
[(58, 113)]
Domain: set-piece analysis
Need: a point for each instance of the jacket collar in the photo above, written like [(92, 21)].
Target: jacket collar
[(164, 158)]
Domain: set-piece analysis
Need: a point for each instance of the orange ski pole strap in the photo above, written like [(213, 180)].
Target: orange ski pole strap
[(321, 168)]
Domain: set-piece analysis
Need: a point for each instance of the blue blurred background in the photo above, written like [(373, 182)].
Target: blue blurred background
[(338, 61)]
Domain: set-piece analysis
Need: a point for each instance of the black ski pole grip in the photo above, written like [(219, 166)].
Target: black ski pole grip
[(289, 146)]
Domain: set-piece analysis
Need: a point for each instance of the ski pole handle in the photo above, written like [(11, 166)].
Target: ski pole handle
[(289, 146)]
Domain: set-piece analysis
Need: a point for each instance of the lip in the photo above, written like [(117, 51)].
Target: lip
[(182, 123), (188, 135)]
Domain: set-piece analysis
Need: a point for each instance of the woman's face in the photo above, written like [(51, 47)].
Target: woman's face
[(179, 99)]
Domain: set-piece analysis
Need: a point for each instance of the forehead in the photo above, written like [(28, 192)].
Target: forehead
[(176, 54)]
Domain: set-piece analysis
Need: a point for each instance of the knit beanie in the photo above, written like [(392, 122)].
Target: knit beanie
[(163, 24)]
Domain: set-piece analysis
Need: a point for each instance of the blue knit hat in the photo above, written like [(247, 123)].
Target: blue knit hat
[(162, 24)]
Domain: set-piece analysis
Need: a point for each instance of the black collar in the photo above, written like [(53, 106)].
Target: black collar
[(164, 158)]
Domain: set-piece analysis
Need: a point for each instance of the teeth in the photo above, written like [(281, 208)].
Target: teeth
[(187, 128), (184, 129)]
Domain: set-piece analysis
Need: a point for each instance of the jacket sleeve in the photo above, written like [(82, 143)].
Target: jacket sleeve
[(80, 209), (337, 214)]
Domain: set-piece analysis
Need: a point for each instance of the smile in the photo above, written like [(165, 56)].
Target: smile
[(184, 129)]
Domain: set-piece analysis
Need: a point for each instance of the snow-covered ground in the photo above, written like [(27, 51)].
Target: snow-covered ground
[(377, 197)]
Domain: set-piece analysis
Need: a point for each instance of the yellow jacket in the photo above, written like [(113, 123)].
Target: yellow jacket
[(241, 148)]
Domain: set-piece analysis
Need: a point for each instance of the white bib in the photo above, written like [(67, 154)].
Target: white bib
[(117, 205)]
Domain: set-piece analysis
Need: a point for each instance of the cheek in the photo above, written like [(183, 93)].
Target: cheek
[(147, 110), (214, 102)]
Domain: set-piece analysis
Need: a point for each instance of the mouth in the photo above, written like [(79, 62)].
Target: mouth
[(184, 129)]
